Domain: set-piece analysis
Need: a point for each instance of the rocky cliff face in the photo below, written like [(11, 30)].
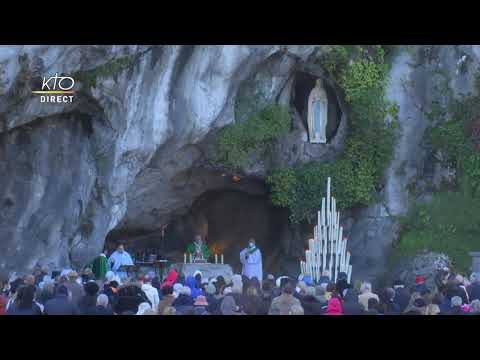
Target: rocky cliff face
[(129, 152), (66, 169)]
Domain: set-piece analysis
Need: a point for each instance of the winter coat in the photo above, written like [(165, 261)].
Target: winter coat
[(474, 291), (13, 309), (334, 307), (183, 300), (391, 308), (351, 306), (152, 294), (60, 305), (266, 302), (101, 310), (341, 285), (171, 278), (87, 305), (167, 300), (3, 305), (228, 306), (112, 294), (402, 298), (456, 310), (213, 304), (311, 306), (252, 305), (192, 284), (282, 304)]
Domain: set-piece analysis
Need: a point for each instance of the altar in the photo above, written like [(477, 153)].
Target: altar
[(208, 270)]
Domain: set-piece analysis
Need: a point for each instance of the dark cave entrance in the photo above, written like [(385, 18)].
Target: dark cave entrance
[(227, 219), (303, 85)]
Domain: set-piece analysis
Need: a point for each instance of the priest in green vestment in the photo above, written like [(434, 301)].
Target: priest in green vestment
[(100, 266), (198, 249)]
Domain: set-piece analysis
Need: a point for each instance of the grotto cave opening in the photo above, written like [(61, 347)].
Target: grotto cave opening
[(303, 85), (226, 219)]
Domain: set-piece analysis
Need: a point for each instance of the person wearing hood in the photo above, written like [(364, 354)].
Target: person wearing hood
[(342, 283), (251, 259), (310, 304), (171, 279), (334, 307), (60, 304), (351, 306), (229, 307), (150, 292), (192, 284), (388, 303)]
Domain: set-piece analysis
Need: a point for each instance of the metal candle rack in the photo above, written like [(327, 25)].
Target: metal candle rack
[(328, 249)]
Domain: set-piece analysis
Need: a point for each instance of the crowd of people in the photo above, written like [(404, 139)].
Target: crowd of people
[(70, 293)]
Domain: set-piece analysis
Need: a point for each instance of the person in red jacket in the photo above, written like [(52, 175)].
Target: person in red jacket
[(171, 278), (334, 307)]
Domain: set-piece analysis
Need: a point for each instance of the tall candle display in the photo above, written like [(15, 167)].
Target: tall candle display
[(221, 258), (328, 248), (184, 258), (216, 259)]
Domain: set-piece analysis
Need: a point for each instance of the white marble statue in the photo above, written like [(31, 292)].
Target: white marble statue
[(317, 114)]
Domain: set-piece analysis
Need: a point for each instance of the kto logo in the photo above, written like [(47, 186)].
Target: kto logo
[(56, 89)]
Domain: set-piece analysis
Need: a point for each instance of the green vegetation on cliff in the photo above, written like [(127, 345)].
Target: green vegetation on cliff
[(357, 173), (238, 142), (450, 223)]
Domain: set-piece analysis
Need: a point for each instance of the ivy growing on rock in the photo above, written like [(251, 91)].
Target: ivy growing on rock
[(237, 143), (110, 69), (357, 174), (450, 223)]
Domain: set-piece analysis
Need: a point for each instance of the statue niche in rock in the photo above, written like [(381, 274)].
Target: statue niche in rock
[(317, 114)]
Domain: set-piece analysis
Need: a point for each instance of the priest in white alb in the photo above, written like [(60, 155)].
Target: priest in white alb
[(251, 259), (120, 258)]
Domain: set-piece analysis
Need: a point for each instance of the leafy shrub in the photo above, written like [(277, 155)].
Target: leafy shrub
[(449, 224), (237, 143)]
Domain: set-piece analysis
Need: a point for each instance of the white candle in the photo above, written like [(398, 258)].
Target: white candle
[(216, 259), (222, 258), (184, 258), (190, 258)]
